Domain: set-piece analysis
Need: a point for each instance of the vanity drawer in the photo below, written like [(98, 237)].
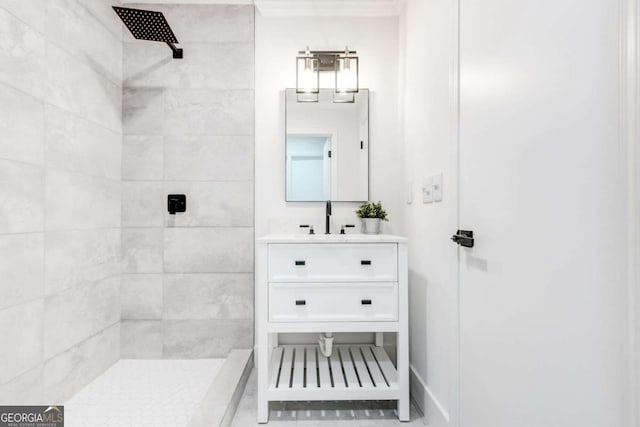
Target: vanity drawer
[(333, 302), (340, 262)]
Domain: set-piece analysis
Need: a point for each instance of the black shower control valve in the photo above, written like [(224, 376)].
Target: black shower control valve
[(176, 203)]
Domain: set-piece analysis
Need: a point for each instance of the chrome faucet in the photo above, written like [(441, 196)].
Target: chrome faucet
[(328, 217)]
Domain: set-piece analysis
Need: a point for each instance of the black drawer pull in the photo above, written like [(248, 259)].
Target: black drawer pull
[(365, 262), (301, 263), (366, 302), (301, 302)]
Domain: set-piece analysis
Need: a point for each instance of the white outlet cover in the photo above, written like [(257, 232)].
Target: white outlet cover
[(437, 187), (427, 190)]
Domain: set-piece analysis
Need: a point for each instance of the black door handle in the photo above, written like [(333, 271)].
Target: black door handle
[(365, 262), (464, 238), (301, 263), (365, 302), (301, 302)]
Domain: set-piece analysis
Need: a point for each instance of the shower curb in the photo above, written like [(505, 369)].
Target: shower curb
[(219, 405)]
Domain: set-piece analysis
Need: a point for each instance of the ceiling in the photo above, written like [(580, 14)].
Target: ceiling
[(304, 7)]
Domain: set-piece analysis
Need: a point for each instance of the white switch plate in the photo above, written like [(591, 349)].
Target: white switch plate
[(409, 192), (437, 187), (427, 190)]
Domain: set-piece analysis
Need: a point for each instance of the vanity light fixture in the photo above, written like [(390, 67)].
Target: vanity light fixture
[(347, 73), (344, 65), (344, 97), (307, 77)]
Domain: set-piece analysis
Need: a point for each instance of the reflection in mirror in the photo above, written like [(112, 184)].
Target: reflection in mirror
[(327, 148)]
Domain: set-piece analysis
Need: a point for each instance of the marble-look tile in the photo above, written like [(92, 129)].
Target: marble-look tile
[(78, 145), (220, 66), (208, 112), (30, 12), (205, 338), (22, 52), (208, 296), (21, 329), (78, 201), (26, 389), (66, 373), (217, 66), (84, 36), (142, 250), (143, 110), (142, 157), (72, 316), (208, 158), (149, 65), (21, 197), (213, 204), (208, 250), (141, 296), (141, 339), (102, 12), (74, 257), (21, 269), (143, 204), (21, 126), (75, 86), (207, 23), (221, 401)]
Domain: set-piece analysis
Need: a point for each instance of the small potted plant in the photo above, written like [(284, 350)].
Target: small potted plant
[(371, 214)]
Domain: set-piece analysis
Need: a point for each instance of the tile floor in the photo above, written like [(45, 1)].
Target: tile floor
[(322, 414), (140, 393)]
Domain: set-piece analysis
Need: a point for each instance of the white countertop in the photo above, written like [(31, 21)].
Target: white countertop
[(331, 238)]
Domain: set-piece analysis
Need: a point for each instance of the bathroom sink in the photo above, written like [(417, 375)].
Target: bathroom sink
[(329, 238)]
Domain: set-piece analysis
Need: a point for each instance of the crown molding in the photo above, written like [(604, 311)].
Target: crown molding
[(186, 2), (329, 7), (301, 7)]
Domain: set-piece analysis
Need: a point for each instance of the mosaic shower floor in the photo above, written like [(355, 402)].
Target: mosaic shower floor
[(142, 393)]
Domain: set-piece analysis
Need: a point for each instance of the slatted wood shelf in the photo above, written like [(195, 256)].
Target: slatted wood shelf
[(353, 372)]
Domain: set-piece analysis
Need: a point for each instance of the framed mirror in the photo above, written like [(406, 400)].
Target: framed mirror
[(327, 148)]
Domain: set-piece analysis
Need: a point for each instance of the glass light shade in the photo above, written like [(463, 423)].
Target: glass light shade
[(347, 74), (344, 97), (307, 75), (307, 97)]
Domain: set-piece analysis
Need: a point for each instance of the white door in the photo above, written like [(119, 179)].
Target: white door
[(542, 185)]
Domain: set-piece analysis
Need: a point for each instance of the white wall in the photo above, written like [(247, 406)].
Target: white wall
[(425, 44), (278, 39)]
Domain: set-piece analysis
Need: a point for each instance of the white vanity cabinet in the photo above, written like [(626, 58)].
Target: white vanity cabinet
[(336, 283)]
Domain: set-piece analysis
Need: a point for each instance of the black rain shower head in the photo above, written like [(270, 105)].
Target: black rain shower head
[(149, 25)]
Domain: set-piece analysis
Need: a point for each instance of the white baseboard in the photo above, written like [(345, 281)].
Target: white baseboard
[(434, 412)]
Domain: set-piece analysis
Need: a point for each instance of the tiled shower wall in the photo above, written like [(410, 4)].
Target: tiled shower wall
[(60, 168), (187, 287)]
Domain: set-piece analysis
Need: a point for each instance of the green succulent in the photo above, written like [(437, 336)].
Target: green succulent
[(372, 210)]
